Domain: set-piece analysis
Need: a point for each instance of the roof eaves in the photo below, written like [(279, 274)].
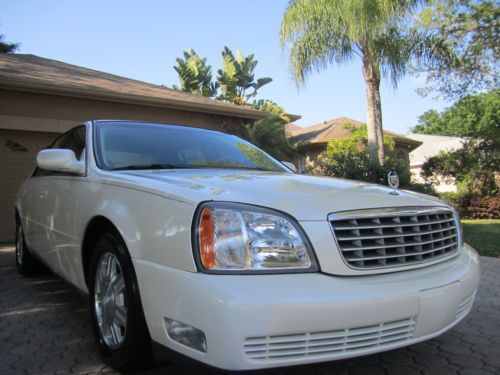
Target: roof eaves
[(293, 117), (224, 109), (400, 140), (411, 143)]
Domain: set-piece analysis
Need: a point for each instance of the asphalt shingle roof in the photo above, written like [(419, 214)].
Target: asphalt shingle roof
[(335, 129), (34, 73)]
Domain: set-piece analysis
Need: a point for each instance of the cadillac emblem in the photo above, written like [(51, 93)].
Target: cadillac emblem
[(393, 181)]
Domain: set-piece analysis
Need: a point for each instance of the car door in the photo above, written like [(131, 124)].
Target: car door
[(59, 193), (36, 190)]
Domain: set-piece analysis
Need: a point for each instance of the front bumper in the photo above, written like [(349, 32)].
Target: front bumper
[(263, 321)]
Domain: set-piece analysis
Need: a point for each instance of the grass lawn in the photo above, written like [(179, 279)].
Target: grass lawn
[(483, 235)]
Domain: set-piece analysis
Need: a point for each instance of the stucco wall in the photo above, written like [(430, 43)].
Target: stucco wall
[(51, 113), (31, 121)]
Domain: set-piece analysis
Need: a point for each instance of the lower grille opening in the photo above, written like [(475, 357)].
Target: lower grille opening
[(330, 342)]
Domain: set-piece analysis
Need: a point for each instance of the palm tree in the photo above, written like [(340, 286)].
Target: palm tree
[(319, 33)]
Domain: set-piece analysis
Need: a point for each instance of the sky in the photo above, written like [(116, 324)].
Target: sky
[(142, 39)]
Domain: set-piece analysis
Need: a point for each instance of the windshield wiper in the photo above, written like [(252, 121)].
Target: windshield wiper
[(193, 166), (149, 166), (245, 168)]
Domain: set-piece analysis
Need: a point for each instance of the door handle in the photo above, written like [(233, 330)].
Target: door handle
[(43, 195)]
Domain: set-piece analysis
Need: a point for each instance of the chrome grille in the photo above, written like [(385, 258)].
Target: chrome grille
[(331, 343), (370, 239)]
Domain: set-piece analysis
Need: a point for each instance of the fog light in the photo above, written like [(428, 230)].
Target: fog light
[(186, 335)]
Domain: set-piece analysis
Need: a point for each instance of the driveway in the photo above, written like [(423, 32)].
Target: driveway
[(45, 329)]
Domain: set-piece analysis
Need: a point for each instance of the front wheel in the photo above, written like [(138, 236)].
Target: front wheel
[(25, 261), (116, 311)]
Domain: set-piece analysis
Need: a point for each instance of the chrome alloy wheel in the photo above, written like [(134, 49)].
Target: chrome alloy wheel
[(110, 300), (19, 244)]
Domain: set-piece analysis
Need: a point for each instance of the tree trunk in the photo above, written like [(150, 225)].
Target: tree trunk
[(371, 74)]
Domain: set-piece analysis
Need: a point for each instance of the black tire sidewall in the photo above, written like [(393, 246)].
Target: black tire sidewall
[(27, 265), (131, 355), (19, 265)]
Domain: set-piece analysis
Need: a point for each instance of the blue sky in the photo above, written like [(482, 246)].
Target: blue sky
[(141, 39)]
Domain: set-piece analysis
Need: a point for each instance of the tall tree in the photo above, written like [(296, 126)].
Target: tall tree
[(237, 77), (472, 116), (320, 33), (475, 166), (195, 75), (472, 29), (6, 47)]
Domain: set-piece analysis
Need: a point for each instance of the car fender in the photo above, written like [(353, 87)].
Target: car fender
[(154, 228)]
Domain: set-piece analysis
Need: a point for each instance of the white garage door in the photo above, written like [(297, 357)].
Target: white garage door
[(18, 151)]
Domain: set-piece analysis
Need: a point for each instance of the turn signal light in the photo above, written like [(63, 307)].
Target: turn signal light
[(206, 238)]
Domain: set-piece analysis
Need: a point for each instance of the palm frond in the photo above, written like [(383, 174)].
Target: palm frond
[(318, 33)]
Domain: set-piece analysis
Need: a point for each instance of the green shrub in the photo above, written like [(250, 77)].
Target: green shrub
[(269, 134), (421, 188), (349, 158), (483, 208), (473, 168), (458, 200), (471, 206)]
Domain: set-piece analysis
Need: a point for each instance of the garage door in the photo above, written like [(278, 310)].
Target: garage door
[(18, 151)]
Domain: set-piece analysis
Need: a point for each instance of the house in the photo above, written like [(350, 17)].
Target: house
[(41, 98), (431, 146), (312, 141)]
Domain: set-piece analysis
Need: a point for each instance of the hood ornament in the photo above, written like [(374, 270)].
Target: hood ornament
[(393, 181)]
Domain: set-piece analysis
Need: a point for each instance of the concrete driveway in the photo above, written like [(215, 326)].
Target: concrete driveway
[(45, 329)]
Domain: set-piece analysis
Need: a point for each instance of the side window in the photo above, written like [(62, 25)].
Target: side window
[(58, 141), (75, 141)]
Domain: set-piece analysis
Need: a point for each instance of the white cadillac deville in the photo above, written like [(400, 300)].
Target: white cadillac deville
[(197, 244)]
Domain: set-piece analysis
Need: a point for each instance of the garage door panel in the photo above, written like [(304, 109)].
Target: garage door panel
[(18, 151)]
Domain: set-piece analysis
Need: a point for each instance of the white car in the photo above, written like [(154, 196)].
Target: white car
[(196, 243)]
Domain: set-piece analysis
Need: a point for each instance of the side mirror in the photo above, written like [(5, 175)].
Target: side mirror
[(59, 160), (290, 165)]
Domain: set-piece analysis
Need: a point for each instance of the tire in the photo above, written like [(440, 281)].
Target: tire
[(116, 311), (26, 263)]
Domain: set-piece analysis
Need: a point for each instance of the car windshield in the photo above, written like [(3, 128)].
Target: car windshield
[(126, 145)]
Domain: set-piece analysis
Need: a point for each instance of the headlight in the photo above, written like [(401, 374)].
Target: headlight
[(240, 238)]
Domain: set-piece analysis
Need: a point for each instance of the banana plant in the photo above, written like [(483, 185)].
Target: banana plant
[(236, 79), (195, 75), (272, 108)]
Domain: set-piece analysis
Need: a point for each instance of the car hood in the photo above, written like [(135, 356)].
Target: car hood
[(304, 197)]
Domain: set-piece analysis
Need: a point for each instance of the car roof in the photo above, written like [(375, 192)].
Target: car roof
[(147, 123)]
